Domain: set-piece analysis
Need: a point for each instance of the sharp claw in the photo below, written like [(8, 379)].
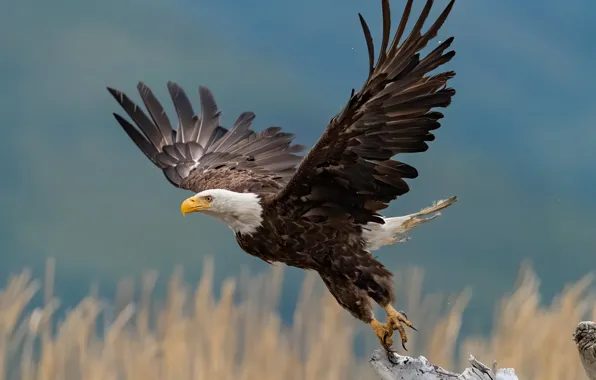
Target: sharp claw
[(387, 342), (391, 356), (403, 344), (406, 317)]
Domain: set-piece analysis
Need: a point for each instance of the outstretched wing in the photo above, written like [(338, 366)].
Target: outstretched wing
[(199, 147), (349, 172)]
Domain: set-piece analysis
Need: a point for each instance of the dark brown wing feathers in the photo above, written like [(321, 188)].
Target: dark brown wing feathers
[(349, 172), (350, 168), (200, 154)]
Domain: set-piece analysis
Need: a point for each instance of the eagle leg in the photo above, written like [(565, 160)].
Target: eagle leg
[(396, 320)]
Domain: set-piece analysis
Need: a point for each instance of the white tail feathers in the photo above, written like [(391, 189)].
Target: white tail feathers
[(394, 230)]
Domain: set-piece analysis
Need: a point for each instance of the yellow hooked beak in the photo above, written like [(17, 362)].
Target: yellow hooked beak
[(193, 204)]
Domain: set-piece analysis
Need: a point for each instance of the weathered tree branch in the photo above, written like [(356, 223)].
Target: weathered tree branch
[(585, 339), (407, 368)]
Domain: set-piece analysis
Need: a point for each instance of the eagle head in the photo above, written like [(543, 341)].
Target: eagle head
[(242, 212)]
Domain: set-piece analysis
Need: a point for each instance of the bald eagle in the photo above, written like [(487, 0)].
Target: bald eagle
[(318, 211)]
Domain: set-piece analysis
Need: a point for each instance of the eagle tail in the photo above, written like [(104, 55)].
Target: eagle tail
[(395, 228), (401, 224)]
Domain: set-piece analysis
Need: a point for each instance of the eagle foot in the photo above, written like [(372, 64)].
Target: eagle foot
[(397, 320), (383, 331)]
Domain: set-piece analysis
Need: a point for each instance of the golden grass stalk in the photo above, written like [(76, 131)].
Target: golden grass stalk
[(240, 335)]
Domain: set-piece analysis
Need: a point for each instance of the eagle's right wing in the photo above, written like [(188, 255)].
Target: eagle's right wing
[(200, 145)]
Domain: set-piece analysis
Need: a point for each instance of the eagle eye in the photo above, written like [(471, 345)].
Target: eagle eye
[(209, 198)]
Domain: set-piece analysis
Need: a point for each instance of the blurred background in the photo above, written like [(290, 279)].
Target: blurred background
[(516, 146)]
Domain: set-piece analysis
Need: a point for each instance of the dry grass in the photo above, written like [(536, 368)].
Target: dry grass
[(196, 336)]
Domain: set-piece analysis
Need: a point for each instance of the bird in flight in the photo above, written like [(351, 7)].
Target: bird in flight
[(320, 210)]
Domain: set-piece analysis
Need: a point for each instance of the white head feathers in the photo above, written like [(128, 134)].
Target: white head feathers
[(242, 212)]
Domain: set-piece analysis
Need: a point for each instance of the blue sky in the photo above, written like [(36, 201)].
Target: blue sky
[(516, 146)]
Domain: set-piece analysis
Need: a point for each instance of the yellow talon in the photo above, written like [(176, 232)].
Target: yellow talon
[(383, 332), (395, 320)]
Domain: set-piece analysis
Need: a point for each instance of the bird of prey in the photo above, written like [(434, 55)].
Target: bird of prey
[(318, 211)]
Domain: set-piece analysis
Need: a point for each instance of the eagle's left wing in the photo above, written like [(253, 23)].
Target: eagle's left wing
[(349, 173)]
